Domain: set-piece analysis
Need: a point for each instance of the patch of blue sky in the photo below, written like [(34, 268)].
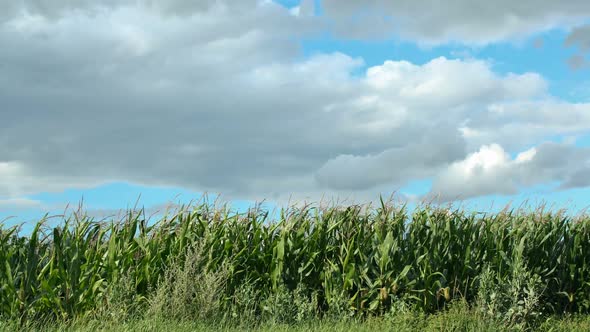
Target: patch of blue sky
[(109, 195), (288, 3), (294, 3), (25, 217), (573, 201), (119, 196), (545, 54), (583, 141), (105, 199), (417, 187)]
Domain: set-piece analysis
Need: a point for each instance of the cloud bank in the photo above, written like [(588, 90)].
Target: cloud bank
[(217, 98)]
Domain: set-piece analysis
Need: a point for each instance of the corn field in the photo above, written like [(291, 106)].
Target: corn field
[(355, 260)]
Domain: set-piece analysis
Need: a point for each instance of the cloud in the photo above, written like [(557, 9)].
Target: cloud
[(218, 98), (492, 171), (17, 178), (468, 22), (18, 204), (579, 38), (482, 172), (431, 22), (518, 124), (57, 9), (414, 160), (576, 62)]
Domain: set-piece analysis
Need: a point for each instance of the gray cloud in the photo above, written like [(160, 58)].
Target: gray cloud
[(56, 9), (415, 159), (218, 98), (467, 21), (577, 62), (579, 38)]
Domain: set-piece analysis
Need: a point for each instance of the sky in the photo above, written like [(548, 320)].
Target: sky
[(125, 103)]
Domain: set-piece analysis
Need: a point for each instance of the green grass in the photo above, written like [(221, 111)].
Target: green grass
[(355, 265), (449, 321)]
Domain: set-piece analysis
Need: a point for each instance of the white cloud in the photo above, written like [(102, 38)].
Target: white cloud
[(517, 124), (483, 172), (491, 171), (217, 98)]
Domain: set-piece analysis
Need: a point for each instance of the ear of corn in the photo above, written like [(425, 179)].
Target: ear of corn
[(368, 257)]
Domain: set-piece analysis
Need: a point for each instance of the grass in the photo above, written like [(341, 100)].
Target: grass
[(339, 267), (448, 321)]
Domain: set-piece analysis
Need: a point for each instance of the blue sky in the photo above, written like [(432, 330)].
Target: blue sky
[(286, 101)]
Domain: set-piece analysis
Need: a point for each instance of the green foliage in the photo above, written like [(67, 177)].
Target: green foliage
[(515, 300), (204, 262), (187, 290), (243, 305), (287, 307), (120, 302)]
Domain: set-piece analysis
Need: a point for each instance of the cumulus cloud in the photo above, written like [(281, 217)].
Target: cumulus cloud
[(483, 172), (491, 170), (217, 98), (518, 124), (464, 21)]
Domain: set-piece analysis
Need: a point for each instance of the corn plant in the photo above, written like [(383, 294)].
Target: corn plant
[(354, 260)]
